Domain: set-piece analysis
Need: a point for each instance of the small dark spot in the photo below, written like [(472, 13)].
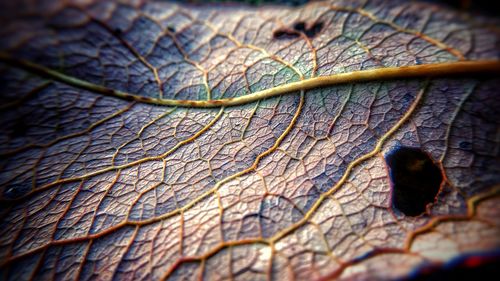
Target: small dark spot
[(188, 102), (216, 102), (108, 91), (300, 26), (117, 31), (282, 34), (415, 178), (465, 145), (314, 30), (143, 99), (171, 28), (129, 97)]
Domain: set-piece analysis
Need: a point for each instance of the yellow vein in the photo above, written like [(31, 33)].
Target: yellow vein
[(402, 72), (398, 28), (124, 166), (350, 167), (472, 205), (169, 214)]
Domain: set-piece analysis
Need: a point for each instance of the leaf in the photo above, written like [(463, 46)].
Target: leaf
[(151, 140)]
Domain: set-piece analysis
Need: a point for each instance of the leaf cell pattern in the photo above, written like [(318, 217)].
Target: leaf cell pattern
[(105, 173)]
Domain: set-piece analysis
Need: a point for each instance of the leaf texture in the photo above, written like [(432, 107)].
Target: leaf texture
[(130, 149)]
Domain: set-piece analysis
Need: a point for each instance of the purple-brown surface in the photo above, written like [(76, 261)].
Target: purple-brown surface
[(103, 175)]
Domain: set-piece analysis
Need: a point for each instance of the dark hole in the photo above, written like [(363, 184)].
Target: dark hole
[(300, 26), (285, 34), (314, 30), (171, 28), (415, 179)]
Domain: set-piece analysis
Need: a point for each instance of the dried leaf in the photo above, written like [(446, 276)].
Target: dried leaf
[(151, 140)]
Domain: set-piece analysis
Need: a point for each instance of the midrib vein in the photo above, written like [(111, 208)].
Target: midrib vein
[(402, 72)]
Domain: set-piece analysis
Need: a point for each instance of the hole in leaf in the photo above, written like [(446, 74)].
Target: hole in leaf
[(281, 34), (415, 178), (300, 26), (314, 30)]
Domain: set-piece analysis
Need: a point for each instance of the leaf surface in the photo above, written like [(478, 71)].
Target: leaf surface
[(151, 140)]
